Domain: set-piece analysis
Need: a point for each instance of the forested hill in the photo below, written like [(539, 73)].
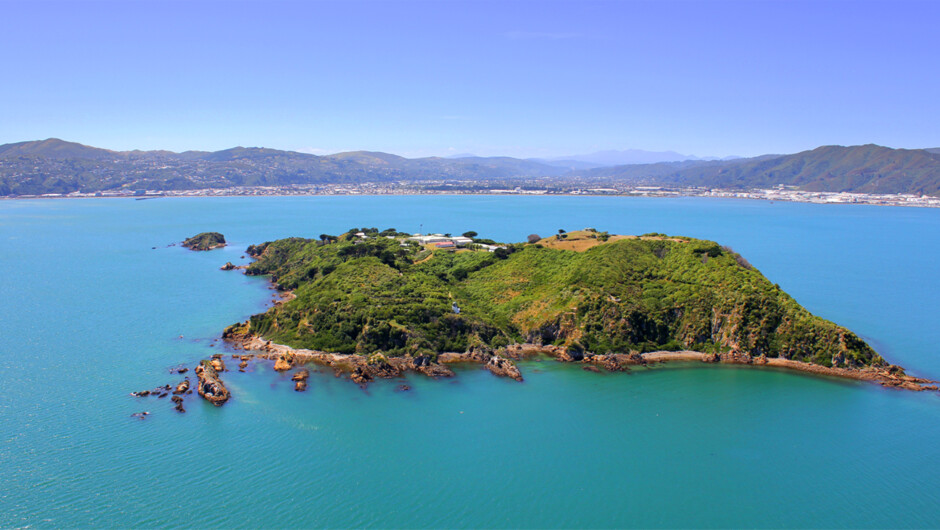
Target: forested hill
[(861, 169), (586, 290), (57, 166)]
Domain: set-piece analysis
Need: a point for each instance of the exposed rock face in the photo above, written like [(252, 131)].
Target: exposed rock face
[(210, 386), (228, 266), (179, 404), (361, 376), (838, 360)]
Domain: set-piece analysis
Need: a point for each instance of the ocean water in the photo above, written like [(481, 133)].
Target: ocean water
[(89, 312)]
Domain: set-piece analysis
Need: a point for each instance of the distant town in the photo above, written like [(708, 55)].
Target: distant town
[(535, 187)]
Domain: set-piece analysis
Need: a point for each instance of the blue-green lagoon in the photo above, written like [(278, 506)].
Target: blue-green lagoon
[(89, 312)]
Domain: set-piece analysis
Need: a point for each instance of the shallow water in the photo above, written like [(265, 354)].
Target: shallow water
[(90, 312)]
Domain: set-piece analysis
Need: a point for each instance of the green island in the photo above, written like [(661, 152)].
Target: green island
[(376, 303), (205, 241)]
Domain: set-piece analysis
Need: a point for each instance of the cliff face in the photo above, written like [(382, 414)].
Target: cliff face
[(617, 295)]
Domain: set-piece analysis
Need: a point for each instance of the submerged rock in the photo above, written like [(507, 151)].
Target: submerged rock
[(300, 379)]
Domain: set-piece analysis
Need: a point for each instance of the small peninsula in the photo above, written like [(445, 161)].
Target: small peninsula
[(373, 304), (205, 241)]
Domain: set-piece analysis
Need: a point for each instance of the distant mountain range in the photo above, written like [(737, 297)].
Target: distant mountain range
[(628, 156), (57, 166), (863, 169)]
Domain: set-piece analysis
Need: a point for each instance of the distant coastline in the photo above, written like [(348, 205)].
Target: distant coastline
[(377, 189)]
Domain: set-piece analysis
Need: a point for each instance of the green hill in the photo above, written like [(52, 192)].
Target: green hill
[(861, 169), (56, 166), (55, 148), (588, 292)]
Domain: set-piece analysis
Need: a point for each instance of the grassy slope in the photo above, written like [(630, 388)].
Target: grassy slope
[(620, 296)]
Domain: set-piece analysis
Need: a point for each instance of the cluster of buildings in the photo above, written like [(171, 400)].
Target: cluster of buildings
[(780, 193), (445, 241)]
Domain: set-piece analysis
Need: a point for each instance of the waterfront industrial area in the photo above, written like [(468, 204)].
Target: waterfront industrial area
[(780, 193)]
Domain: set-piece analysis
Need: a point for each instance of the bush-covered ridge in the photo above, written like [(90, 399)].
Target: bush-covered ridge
[(617, 295)]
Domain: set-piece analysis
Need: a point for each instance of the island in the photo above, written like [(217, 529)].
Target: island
[(375, 304), (205, 241)]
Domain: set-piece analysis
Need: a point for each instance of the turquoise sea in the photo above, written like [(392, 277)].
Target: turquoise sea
[(89, 312)]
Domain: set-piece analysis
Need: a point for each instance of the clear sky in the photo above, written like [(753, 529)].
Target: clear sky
[(513, 78)]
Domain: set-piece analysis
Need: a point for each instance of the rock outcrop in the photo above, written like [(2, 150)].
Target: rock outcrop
[(210, 386), (300, 380), (503, 367)]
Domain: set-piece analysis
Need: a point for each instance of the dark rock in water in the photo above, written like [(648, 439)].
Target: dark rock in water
[(403, 388), (140, 415), (228, 266), (163, 395), (591, 368), (142, 393), (300, 386), (179, 404), (182, 387)]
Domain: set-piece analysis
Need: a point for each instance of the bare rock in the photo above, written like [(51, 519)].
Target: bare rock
[(503, 367), (210, 386), (282, 364)]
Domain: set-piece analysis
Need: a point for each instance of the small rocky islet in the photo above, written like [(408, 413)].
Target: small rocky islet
[(205, 241), (376, 304)]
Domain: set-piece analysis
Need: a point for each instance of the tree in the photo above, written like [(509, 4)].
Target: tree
[(534, 237), (471, 234), (561, 230)]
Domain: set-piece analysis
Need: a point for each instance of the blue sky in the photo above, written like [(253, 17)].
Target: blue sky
[(501, 78)]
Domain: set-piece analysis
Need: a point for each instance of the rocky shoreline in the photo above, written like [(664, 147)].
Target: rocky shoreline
[(362, 369)]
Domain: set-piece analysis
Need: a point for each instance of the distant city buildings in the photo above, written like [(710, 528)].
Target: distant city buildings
[(551, 187)]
